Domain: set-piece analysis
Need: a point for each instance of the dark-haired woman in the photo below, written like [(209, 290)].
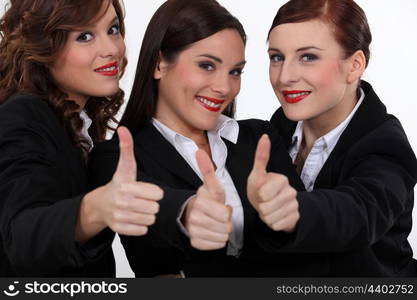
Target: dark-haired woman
[(188, 73), (60, 64), (353, 157)]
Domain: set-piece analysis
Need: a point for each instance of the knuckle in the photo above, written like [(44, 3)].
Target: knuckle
[(295, 203), (115, 216), (151, 220), (195, 244), (262, 208), (192, 231), (293, 193), (161, 193), (121, 203), (122, 187), (193, 218), (297, 215), (142, 230), (276, 226), (259, 194), (229, 229), (155, 208)]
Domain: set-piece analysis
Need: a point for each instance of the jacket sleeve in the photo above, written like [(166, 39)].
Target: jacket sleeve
[(162, 249), (373, 194), (38, 208)]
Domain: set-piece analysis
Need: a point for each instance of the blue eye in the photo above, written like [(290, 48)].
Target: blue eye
[(114, 30), (236, 72), (85, 37), (208, 66), (308, 57), (276, 58)]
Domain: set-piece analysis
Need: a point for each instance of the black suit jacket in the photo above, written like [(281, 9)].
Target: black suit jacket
[(360, 212), (43, 177), (164, 249)]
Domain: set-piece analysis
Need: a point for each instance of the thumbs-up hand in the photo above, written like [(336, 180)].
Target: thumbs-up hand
[(207, 218), (125, 205), (270, 193), (131, 205)]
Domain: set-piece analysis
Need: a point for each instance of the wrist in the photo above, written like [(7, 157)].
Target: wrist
[(89, 222)]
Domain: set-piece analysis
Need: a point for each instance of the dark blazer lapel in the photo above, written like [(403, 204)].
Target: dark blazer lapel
[(239, 164), (152, 142), (369, 115), (285, 126)]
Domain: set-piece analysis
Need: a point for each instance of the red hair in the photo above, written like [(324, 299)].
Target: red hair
[(348, 20)]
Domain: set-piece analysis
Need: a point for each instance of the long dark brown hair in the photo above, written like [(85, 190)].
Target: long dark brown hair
[(32, 34), (173, 28)]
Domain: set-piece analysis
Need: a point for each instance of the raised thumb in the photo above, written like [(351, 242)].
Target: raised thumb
[(126, 167), (210, 181)]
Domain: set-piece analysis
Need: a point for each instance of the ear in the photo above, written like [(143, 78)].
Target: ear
[(161, 66), (357, 66)]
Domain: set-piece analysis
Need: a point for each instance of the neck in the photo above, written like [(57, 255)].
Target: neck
[(81, 101), (197, 135), (325, 122)]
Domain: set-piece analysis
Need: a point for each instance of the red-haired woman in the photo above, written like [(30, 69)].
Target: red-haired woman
[(60, 65), (352, 155)]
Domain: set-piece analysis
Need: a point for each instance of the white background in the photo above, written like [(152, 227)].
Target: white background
[(392, 68)]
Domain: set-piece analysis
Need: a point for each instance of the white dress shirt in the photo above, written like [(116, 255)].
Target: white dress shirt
[(84, 131), (229, 129), (321, 150)]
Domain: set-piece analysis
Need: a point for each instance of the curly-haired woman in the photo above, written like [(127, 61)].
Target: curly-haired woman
[(60, 65)]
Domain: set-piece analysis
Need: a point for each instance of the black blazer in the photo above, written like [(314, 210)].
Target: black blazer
[(361, 208), (43, 177), (161, 250)]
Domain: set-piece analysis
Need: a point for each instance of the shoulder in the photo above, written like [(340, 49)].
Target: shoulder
[(27, 122), (254, 127), (251, 130), (24, 105), (26, 109), (389, 136), (387, 141)]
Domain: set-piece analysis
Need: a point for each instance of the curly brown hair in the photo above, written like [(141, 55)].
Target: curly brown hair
[(32, 34)]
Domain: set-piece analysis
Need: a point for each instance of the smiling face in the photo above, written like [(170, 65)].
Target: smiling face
[(310, 74), (90, 61), (200, 83)]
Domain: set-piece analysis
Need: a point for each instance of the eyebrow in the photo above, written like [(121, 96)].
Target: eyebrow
[(116, 18), (298, 50), (219, 60)]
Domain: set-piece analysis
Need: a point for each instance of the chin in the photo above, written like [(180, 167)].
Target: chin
[(294, 115), (207, 124), (107, 92)]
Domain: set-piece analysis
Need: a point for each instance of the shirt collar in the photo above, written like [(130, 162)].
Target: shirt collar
[(86, 125), (226, 127), (330, 139), (333, 136)]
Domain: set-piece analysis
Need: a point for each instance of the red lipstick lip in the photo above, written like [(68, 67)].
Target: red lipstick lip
[(214, 100), (293, 100), (113, 72)]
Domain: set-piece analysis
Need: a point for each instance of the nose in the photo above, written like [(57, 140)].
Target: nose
[(111, 46), (221, 84), (288, 73)]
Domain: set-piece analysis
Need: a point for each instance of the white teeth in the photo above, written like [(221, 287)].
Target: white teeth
[(297, 95), (107, 69), (208, 103)]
